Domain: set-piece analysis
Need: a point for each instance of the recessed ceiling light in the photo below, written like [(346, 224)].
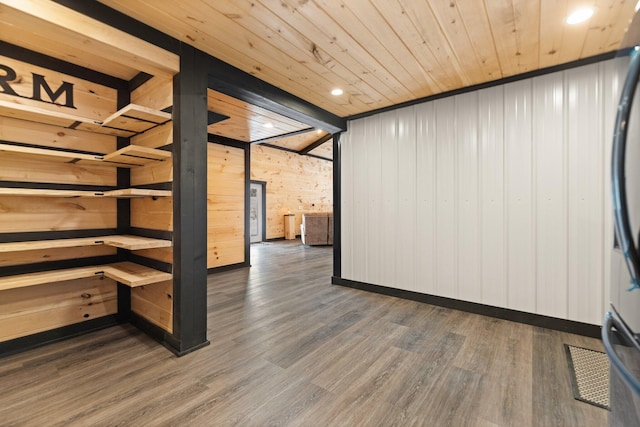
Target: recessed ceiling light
[(580, 15), (319, 131), (337, 92), (268, 125)]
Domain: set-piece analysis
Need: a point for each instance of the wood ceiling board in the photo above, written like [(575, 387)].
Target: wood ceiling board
[(325, 150), (69, 28), (596, 41), (384, 52), (298, 142), (21, 30), (236, 46), (246, 122)]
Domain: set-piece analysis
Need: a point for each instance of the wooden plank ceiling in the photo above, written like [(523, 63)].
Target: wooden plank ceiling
[(379, 52), (384, 52)]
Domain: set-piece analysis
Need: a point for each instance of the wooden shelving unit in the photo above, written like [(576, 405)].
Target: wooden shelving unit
[(127, 157), (126, 122), (127, 193), (125, 272), (132, 243)]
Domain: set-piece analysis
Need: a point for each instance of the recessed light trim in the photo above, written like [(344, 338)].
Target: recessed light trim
[(579, 15), (337, 92)]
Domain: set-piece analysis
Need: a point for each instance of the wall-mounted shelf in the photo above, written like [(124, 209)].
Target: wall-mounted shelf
[(126, 272), (127, 157), (132, 243), (135, 275), (127, 193), (134, 155), (126, 122), (136, 118)]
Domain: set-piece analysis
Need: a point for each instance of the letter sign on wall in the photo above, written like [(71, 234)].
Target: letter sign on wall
[(8, 75)]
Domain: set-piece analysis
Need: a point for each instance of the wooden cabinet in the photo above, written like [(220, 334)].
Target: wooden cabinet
[(290, 227)]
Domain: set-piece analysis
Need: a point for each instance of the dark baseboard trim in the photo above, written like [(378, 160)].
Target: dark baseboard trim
[(163, 337), (40, 339), (227, 267), (532, 319)]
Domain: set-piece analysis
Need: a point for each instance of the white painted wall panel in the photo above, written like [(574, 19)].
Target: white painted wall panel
[(407, 198), (373, 188), (585, 191), (469, 274), (549, 153), (446, 197), (497, 196), (426, 221), (390, 243), (520, 204), (360, 197), (491, 178)]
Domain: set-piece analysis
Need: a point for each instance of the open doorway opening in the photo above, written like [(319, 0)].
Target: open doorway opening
[(257, 211)]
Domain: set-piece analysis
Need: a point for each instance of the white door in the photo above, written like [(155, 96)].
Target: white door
[(255, 213)]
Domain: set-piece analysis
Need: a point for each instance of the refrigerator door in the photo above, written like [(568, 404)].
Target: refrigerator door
[(621, 343)]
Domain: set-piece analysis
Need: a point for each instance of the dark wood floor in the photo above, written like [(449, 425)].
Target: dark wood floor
[(288, 348)]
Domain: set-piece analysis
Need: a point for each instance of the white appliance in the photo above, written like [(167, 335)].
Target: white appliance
[(622, 323)]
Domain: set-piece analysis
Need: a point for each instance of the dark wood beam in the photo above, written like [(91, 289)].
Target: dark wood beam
[(317, 143), (190, 203), (284, 135)]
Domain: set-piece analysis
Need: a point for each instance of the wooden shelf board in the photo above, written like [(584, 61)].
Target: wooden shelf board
[(127, 157), (126, 122), (127, 193), (32, 113), (54, 155), (135, 275), (134, 243), (34, 192), (134, 155), (34, 279), (49, 244), (136, 118), (125, 272)]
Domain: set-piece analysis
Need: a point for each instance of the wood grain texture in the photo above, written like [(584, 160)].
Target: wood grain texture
[(156, 93), (54, 254), (43, 135), (30, 310), (154, 214), (295, 184), (22, 214), (225, 205), (247, 122), (288, 348), (155, 303), (385, 52), (77, 35)]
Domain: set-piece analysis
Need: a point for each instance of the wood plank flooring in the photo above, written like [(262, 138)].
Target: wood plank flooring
[(289, 349)]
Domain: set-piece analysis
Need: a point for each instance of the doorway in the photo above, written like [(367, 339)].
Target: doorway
[(257, 211)]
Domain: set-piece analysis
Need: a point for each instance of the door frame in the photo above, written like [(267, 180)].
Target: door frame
[(264, 206)]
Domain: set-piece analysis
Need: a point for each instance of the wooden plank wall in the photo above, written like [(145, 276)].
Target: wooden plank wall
[(30, 310), (295, 184), (226, 210), (154, 302)]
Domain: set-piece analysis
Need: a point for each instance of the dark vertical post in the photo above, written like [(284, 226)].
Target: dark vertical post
[(337, 241), (190, 202), (247, 205), (123, 180)]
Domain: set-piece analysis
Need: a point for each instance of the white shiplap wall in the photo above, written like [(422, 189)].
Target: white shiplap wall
[(498, 196)]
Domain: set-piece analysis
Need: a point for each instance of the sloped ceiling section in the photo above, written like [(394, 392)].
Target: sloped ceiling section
[(385, 52)]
